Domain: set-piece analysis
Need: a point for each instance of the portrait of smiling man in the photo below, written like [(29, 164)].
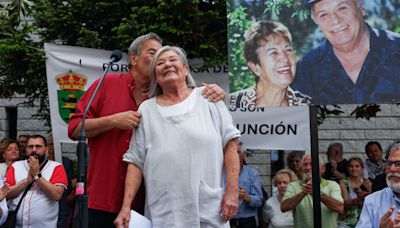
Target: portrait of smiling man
[(355, 64)]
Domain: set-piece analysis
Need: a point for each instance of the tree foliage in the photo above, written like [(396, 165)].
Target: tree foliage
[(239, 74), (197, 26), (388, 14), (21, 63)]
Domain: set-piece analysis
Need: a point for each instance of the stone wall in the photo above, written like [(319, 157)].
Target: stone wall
[(355, 133)]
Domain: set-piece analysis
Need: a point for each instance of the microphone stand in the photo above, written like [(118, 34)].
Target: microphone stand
[(81, 207)]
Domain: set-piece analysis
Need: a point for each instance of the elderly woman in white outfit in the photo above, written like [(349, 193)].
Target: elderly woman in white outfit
[(181, 147)]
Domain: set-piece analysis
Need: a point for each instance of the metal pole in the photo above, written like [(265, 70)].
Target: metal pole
[(81, 217), (81, 208), (315, 166)]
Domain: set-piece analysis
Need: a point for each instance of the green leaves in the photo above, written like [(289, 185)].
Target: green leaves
[(324, 111), (239, 76), (88, 38), (197, 26), (366, 111), (277, 7)]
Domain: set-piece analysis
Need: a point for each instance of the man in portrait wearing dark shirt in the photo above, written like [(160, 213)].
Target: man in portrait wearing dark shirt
[(355, 64)]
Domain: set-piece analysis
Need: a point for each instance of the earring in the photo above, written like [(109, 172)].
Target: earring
[(257, 71)]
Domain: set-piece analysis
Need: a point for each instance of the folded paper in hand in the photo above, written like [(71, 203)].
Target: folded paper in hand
[(138, 221)]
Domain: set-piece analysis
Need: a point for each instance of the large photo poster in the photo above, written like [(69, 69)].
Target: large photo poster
[(291, 53)]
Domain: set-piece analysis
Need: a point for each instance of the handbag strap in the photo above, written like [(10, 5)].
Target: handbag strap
[(27, 189)]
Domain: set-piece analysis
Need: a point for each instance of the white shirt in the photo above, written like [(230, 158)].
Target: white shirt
[(4, 207), (181, 156), (273, 215), (36, 210)]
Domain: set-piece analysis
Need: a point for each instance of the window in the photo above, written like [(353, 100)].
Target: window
[(11, 113)]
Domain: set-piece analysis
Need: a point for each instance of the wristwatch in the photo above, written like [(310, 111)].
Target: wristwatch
[(37, 177)]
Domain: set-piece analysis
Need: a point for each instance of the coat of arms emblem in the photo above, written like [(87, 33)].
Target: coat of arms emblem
[(72, 87)]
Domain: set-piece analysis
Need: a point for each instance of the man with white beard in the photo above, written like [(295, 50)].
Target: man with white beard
[(382, 208)]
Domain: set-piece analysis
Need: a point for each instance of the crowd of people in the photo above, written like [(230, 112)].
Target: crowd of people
[(348, 198)]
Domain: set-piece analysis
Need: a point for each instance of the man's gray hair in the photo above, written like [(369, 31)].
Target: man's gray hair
[(393, 148), (320, 159), (338, 145), (155, 88), (134, 48)]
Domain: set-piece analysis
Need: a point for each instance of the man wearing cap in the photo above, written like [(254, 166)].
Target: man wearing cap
[(356, 63)]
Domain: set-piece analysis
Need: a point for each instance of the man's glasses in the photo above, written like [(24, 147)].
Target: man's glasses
[(37, 146), (395, 163)]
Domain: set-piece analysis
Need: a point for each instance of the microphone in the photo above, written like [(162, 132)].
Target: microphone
[(116, 55)]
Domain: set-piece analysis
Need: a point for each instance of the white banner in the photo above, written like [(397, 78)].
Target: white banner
[(71, 70), (274, 128)]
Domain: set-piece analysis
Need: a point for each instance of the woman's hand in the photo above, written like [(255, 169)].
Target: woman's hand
[(357, 201), (123, 218), (229, 205)]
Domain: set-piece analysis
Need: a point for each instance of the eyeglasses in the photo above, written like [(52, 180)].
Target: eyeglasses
[(37, 146), (395, 163)]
